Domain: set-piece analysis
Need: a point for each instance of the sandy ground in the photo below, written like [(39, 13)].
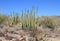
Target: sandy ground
[(16, 33)]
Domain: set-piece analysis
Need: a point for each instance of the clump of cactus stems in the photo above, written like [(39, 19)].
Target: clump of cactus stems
[(14, 20), (28, 19)]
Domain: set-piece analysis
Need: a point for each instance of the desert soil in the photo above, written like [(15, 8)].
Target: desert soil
[(16, 33)]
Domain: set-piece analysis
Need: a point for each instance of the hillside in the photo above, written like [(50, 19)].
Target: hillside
[(17, 33)]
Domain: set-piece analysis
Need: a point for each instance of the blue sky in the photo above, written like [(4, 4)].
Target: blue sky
[(45, 7)]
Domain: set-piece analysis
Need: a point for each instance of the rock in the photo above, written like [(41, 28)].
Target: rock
[(17, 40), (1, 34), (9, 36), (18, 28), (1, 26), (0, 40), (17, 32)]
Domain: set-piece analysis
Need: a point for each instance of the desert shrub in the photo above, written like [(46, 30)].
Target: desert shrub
[(14, 19), (3, 19), (39, 21), (48, 22), (10, 21)]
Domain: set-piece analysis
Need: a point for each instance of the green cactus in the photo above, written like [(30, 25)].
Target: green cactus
[(14, 20), (28, 19)]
